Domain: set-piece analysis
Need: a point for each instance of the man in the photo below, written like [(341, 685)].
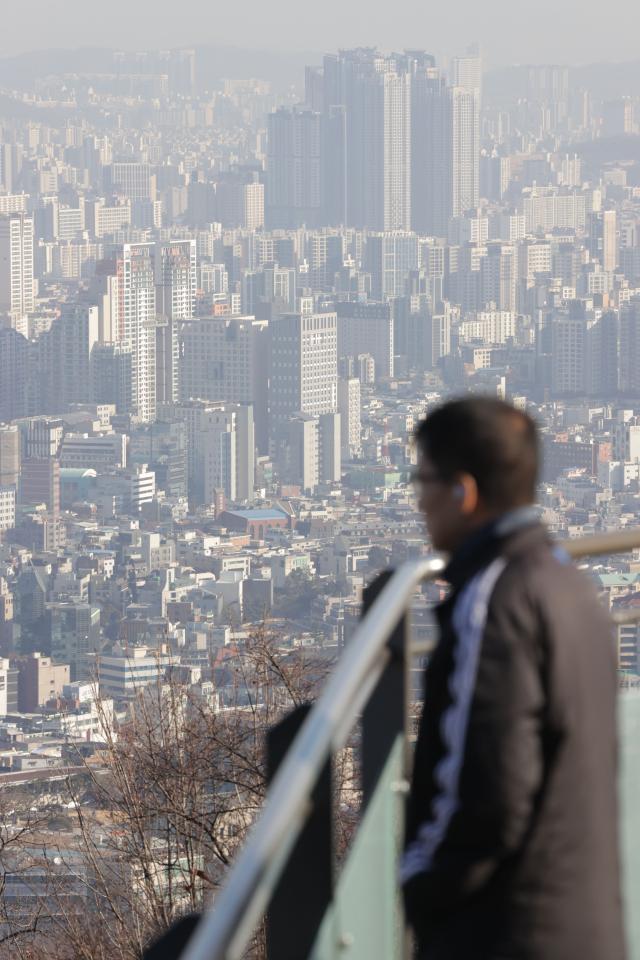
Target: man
[(511, 847)]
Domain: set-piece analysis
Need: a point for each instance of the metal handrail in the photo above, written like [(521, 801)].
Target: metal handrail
[(227, 926), (226, 930), (601, 544)]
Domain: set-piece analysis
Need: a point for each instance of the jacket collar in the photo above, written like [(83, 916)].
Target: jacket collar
[(513, 531)]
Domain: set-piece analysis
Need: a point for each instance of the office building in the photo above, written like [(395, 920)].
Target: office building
[(101, 452), (40, 483), (227, 359), (40, 680), (142, 487), (75, 636), (367, 328), (390, 258), (124, 672), (304, 366), (220, 449)]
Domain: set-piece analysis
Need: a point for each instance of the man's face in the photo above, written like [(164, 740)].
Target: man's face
[(442, 503)]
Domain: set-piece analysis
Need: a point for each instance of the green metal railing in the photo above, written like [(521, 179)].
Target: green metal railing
[(286, 868)]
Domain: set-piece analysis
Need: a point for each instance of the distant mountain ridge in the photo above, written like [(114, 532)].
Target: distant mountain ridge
[(213, 63), (606, 81), (286, 69)]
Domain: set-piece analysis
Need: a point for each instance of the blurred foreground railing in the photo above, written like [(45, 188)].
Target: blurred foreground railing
[(286, 868)]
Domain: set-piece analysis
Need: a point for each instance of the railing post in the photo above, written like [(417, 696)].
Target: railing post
[(304, 891), (386, 714), (385, 729)]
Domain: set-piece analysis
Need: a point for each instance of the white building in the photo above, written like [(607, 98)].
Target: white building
[(304, 366), (8, 688), (124, 673), (350, 421), (138, 324), (101, 452), (17, 285), (142, 487), (7, 508)]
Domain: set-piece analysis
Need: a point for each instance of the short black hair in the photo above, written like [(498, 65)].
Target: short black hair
[(489, 439)]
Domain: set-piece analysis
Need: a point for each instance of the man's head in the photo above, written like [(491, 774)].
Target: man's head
[(477, 459)]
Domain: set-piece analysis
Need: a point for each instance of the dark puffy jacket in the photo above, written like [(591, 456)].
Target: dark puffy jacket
[(512, 834)]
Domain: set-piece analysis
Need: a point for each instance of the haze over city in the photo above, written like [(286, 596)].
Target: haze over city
[(249, 255), (572, 32)]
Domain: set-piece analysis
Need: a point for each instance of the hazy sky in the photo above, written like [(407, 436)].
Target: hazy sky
[(510, 31)]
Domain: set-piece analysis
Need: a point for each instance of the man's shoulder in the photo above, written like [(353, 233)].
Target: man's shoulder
[(544, 576)]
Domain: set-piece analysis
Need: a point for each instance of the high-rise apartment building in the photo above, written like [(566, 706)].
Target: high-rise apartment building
[(239, 200), (617, 117), (17, 285), (629, 372), (349, 409), (176, 279), (176, 284), (465, 124), (9, 455), (131, 179), (466, 73), (292, 190), (568, 354), (431, 153), (78, 329), (603, 242), (111, 374), (137, 290), (499, 276), (445, 152), (367, 139)]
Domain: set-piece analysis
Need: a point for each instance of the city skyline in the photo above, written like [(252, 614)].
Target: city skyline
[(231, 289)]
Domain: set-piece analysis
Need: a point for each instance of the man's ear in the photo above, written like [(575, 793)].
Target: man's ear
[(466, 493)]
